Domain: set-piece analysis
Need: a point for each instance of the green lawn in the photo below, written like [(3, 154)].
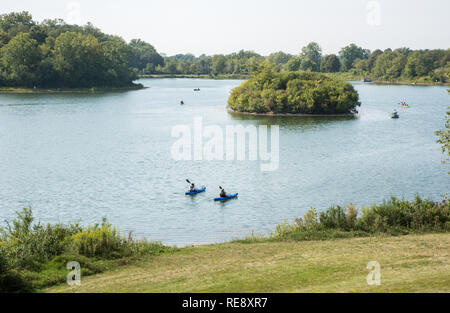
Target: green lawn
[(413, 263)]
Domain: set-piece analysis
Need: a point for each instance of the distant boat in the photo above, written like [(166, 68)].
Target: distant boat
[(197, 89), (395, 115), (366, 80), (404, 105)]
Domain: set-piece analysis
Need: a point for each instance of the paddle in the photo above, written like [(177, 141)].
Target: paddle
[(188, 181)]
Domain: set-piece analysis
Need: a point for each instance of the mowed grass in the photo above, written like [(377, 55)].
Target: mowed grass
[(413, 263)]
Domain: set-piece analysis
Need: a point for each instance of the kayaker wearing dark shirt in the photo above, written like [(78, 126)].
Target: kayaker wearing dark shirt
[(223, 194)]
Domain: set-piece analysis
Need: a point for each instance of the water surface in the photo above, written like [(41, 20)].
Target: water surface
[(85, 156)]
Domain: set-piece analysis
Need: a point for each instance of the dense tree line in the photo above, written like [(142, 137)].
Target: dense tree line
[(55, 54), (403, 63), (293, 92)]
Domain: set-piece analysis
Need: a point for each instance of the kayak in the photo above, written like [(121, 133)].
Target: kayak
[(226, 198), (196, 191)]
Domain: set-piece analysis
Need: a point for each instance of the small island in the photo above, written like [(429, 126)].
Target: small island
[(293, 93)]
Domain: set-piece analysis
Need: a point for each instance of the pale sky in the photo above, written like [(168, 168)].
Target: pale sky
[(264, 26)]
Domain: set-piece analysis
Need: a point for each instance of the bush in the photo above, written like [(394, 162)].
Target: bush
[(293, 92), (391, 217), (98, 240), (27, 244), (34, 256)]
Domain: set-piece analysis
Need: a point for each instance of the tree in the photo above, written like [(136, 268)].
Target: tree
[(117, 55), (79, 60), (389, 65), (293, 64), (143, 54), (311, 56), (279, 58), (350, 53), (372, 59), (444, 138), (19, 59), (330, 64), (420, 63), (15, 23), (218, 64)]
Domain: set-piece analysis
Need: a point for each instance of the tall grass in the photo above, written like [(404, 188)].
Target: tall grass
[(392, 217), (32, 253)]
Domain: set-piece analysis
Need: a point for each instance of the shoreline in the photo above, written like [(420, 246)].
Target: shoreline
[(199, 76), (246, 77), (232, 111), (405, 83), (21, 90)]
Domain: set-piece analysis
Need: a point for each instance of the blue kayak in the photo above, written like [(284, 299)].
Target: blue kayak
[(226, 198), (196, 191)]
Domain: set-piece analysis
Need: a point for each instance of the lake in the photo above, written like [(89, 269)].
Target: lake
[(84, 156)]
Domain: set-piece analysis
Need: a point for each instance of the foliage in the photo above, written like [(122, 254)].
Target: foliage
[(330, 64), (391, 217), (350, 53), (311, 56), (144, 57), (33, 255), (293, 92), (444, 138), (53, 54)]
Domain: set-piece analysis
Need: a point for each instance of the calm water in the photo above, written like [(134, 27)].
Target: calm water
[(86, 156)]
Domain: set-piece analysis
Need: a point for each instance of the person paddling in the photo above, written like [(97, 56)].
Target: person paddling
[(223, 194), (192, 186)]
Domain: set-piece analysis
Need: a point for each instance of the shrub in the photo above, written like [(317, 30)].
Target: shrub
[(392, 217), (293, 92), (98, 240), (34, 256)]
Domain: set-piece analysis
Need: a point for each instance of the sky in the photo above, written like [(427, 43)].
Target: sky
[(263, 26)]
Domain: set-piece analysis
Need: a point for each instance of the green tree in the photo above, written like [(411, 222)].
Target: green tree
[(19, 59), (389, 65), (279, 58), (311, 56), (372, 59), (143, 54), (117, 54), (330, 64), (79, 60), (350, 53), (444, 138), (420, 63), (218, 64), (293, 64)]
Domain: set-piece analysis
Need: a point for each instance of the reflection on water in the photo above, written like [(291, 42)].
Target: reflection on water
[(292, 122)]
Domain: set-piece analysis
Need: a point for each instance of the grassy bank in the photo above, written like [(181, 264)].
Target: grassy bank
[(21, 90), (413, 263), (322, 250)]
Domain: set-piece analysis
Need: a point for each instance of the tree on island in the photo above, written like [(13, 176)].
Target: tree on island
[(293, 92)]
